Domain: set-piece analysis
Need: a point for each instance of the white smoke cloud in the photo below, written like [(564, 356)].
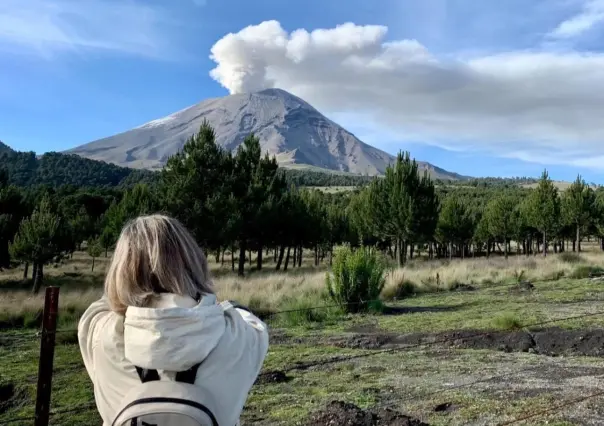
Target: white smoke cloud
[(538, 106)]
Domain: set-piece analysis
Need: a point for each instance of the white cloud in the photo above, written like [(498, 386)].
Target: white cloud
[(47, 27), (533, 105), (592, 13)]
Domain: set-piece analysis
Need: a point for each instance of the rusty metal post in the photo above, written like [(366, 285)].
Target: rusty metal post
[(47, 353)]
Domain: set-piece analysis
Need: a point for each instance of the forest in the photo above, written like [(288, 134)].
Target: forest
[(243, 203)]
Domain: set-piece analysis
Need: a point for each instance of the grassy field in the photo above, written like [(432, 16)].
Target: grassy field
[(469, 356)]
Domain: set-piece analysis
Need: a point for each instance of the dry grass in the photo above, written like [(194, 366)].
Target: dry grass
[(270, 291)]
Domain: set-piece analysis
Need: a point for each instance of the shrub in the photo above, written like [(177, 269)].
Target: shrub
[(507, 321), (570, 257), (401, 290), (305, 310), (357, 278), (585, 271)]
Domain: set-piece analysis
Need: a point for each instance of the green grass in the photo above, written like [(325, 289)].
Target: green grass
[(507, 321), (413, 381)]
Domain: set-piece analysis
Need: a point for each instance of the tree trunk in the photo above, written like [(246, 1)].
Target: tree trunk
[(249, 252), (38, 277), (287, 258), (280, 259), (544, 244), (233, 258), (259, 260), (92, 269), (295, 256), (488, 249), (430, 251), (574, 245), (505, 247), (578, 238), (450, 250), (316, 255), (300, 257), (217, 254), (411, 249), (331, 255), (222, 257), (242, 249), (106, 251), (275, 255), (26, 270)]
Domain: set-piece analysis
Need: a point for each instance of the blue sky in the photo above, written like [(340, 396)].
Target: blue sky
[(484, 88)]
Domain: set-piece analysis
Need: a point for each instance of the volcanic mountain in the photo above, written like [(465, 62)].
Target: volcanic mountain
[(288, 127)]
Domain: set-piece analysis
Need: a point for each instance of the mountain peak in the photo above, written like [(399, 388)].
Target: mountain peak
[(288, 128)]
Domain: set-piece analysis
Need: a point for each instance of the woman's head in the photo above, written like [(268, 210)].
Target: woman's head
[(155, 254)]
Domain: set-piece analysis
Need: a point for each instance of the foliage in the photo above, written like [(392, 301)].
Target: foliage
[(94, 249), (56, 169), (507, 321), (544, 208), (578, 205), (37, 240), (357, 278)]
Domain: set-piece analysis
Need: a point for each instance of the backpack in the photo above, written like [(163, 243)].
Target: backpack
[(158, 402)]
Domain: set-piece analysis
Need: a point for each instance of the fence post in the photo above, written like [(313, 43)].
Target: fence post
[(47, 353)]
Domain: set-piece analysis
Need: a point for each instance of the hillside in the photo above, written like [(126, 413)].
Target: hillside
[(56, 169), (288, 127)]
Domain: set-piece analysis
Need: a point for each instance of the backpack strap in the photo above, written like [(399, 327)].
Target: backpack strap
[(147, 375), (188, 376)]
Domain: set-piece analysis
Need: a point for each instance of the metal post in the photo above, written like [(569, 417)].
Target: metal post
[(47, 353)]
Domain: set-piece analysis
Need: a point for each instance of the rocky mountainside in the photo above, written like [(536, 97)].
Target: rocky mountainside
[(288, 127)]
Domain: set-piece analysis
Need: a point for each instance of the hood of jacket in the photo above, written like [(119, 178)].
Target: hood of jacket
[(173, 335)]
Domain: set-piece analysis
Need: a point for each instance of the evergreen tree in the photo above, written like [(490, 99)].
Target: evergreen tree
[(578, 207), (197, 187), (94, 249), (500, 218), (455, 225), (544, 209), (36, 240)]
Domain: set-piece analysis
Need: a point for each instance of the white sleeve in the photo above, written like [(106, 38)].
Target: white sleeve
[(88, 331), (254, 333)]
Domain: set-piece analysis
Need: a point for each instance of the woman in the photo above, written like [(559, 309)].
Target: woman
[(159, 314)]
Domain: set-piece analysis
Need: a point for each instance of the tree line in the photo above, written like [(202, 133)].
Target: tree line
[(241, 203)]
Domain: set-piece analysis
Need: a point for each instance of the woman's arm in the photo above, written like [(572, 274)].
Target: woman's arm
[(88, 331)]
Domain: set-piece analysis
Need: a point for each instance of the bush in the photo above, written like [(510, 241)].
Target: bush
[(585, 271), (507, 322), (570, 257), (306, 310), (357, 278), (402, 290)]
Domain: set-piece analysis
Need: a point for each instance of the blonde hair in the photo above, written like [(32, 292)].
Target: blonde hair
[(155, 254)]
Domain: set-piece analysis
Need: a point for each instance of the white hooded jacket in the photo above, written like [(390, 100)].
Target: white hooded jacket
[(172, 336)]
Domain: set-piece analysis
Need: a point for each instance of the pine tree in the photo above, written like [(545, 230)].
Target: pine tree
[(36, 240), (578, 207), (94, 249), (455, 224), (197, 187), (500, 218), (544, 208)]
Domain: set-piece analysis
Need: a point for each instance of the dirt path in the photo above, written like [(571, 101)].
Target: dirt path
[(550, 342)]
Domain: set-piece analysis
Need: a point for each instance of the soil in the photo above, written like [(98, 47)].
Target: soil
[(11, 397), (339, 413), (463, 287), (271, 377), (447, 407), (550, 342)]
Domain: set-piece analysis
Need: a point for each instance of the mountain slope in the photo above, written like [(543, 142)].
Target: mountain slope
[(288, 127)]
